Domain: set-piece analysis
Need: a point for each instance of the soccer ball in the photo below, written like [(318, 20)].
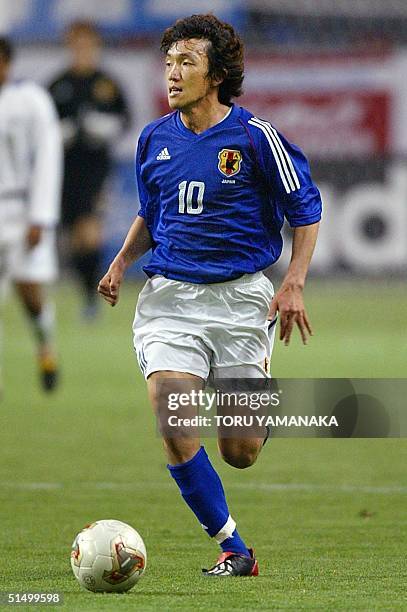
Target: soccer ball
[(108, 556)]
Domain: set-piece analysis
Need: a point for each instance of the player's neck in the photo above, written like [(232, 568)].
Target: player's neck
[(204, 116), (83, 70)]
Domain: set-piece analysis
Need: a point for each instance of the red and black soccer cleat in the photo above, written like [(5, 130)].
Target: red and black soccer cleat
[(233, 564)]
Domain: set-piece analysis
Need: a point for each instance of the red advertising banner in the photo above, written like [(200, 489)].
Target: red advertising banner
[(331, 124)]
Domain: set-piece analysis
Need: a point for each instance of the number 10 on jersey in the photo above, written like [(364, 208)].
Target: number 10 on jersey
[(194, 197)]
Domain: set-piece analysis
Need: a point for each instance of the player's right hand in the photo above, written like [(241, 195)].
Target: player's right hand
[(109, 285)]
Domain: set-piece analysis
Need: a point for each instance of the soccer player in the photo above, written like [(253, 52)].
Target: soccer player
[(30, 177), (93, 113), (215, 184)]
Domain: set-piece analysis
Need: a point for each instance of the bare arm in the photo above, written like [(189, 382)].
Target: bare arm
[(137, 242), (288, 300)]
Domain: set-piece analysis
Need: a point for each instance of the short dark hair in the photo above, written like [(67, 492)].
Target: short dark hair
[(6, 48), (225, 51)]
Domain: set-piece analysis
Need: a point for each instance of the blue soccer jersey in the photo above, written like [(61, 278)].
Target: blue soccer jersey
[(215, 202)]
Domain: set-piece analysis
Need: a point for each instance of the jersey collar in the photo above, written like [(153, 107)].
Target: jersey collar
[(220, 125)]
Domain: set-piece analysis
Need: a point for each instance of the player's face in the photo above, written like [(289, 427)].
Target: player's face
[(186, 70), (84, 48)]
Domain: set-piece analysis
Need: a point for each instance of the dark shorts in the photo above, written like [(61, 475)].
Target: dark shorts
[(85, 173)]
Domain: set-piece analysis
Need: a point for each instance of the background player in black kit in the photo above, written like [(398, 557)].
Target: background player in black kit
[(93, 113)]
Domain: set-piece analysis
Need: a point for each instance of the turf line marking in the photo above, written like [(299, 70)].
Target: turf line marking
[(284, 487), (32, 486), (314, 488)]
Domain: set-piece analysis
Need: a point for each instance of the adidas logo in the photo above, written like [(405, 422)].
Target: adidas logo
[(163, 155)]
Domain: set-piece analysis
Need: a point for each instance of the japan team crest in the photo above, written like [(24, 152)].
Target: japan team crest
[(229, 161)]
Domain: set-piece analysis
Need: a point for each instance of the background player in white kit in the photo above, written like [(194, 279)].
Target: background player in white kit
[(215, 184), (30, 178)]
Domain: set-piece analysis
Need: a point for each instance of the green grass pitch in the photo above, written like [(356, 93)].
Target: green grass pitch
[(328, 518)]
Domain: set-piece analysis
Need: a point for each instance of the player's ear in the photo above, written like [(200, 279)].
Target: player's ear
[(219, 78)]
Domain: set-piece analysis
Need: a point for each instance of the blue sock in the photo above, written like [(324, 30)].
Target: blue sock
[(202, 490), (235, 544)]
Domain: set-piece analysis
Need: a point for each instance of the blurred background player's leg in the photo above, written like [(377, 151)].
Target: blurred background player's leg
[(41, 313), (82, 195), (31, 270), (86, 254), (4, 268)]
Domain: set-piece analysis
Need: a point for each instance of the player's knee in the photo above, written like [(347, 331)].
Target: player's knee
[(239, 458), (180, 450)]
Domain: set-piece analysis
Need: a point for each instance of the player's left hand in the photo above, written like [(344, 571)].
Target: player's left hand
[(289, 303), (33, 236)]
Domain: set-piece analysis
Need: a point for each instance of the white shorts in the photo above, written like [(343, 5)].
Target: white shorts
[(17, 262), (219, 329)]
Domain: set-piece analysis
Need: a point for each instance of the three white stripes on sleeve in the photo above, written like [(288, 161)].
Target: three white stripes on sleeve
[(284, 164)]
